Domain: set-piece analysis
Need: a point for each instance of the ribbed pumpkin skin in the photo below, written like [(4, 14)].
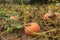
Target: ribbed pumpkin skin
[(33, 28)]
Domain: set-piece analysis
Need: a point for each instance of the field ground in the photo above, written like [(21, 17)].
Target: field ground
[(50, 29)]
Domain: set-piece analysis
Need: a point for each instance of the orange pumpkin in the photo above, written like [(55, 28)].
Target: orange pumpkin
[(51, 15), (48, 14), (32, 27), (13, 18), (27, 12)]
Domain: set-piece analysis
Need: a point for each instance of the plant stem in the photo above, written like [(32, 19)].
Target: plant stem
[(24, 12), (46, 32)]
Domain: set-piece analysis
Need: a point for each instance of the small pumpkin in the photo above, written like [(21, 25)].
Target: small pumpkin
[(49, 15), (32, 27), (13, 18), (27, 12)]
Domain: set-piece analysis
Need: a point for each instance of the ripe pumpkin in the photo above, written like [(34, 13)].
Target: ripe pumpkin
[(48, 15), (13, 18), (51, 15), (27, 12), (32, 27)]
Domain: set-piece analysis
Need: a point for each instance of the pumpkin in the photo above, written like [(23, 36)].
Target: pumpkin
[(13, 18), (32, 27), (52, 15), (48, 15), (27, 12)]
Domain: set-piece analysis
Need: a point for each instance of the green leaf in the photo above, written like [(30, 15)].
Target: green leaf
[(10, 29)]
